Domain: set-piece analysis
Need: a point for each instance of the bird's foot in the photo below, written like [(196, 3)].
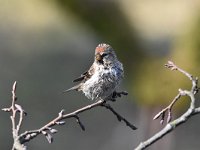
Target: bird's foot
[(117, 94)]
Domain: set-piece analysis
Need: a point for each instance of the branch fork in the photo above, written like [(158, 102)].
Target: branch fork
[(48, 130), (171, 125)]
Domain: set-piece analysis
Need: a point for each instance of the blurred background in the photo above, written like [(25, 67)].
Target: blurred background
[(45, 44)]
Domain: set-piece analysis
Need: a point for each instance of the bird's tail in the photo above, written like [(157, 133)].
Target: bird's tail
[(76, 87)]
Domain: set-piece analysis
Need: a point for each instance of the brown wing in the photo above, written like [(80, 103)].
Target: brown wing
[(85, 75)]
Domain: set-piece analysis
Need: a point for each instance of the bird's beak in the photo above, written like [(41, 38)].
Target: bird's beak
[(98, 57)]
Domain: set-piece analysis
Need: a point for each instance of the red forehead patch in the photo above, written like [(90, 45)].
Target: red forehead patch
[(101, 48)]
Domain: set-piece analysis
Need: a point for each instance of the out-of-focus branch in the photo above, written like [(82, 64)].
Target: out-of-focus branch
[(47, 130), (192, 110)]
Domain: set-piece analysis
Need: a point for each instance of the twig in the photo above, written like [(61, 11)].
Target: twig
[(168, 110), (192, 110), (119, 117), (15, 128), (47, 130)]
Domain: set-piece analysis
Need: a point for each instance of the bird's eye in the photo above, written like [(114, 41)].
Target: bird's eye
[(103, 55)]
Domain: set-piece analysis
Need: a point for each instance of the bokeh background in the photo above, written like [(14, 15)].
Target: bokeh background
[(45, 44)]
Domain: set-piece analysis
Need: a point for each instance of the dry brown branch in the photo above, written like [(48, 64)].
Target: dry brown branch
[(192, 110), (47, 130)]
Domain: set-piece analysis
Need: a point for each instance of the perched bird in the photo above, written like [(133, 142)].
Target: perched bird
[(105, 74)]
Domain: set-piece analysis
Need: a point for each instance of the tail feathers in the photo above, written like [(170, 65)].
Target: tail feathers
[(73, 88)]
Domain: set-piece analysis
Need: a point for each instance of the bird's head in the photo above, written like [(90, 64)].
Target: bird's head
[(104, 53)]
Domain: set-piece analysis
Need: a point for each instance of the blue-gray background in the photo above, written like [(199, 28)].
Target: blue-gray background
[(45, 44)]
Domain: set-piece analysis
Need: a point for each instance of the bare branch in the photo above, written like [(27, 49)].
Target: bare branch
[(47, 130), (16, 127), (28, 135), (168, 110), (119, 117), (183, 118)]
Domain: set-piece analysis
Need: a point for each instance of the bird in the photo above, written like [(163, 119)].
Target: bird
[(103, 77)]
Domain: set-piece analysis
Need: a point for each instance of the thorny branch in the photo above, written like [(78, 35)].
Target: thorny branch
[(192, 110), (47, 130)]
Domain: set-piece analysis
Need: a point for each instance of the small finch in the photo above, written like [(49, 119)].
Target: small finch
[(105, 74)]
